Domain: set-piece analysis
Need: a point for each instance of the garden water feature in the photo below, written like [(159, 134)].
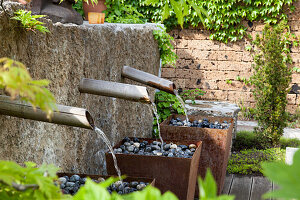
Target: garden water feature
[(154, 109), (183, 106), (108, 144)]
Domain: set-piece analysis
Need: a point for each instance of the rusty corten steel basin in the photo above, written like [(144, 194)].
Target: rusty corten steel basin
[(215, 148), (178, 175), (128, 179)]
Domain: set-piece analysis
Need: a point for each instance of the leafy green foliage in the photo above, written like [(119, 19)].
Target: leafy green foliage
[(166, 49), (166, 105), (191, 94), (208, 189), (228, 81), (17, 182), (244, 80), (246, 112), (30, 22), (180, 9), (271, 78), (248, 140), (249, 161), (118, 12), (224, 18), (16, 80), (30, 182), (296, 69), (289, 142), (285, 176), (78, 7)]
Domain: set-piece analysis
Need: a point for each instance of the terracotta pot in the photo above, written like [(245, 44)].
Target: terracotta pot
[(100, 7), (96, 18)]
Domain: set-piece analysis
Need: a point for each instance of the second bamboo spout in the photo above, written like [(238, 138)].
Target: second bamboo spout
[(113, 89), (148, 79)]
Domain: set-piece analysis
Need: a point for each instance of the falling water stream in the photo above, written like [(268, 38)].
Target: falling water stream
[(108, 144), (183, 105), (154, 108)]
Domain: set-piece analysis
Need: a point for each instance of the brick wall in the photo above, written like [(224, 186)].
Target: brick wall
[(207, 64)]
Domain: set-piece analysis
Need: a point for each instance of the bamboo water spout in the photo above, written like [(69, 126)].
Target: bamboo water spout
[(148, 79), (113, 89), (65, 115)]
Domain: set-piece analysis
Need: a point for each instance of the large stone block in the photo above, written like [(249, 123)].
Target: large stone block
[(64, 56)]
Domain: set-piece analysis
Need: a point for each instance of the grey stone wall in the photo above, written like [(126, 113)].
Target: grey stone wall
[(64, 56)]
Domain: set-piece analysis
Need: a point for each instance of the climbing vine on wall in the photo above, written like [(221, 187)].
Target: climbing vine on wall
[(224, 17)]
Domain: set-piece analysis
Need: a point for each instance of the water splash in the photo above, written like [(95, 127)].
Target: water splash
[(108, 144), (183, 105), (154, 108)]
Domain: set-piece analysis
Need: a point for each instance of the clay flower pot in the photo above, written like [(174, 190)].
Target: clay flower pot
[(96, 18), (89, 7)]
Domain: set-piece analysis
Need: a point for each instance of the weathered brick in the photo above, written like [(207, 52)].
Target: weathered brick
[(205, 65), (209, 85), (298, 100), (200, 55), (225, 55), (294, 25), (183, 73), (215, 95), (292, 108), (203, 45), (247, 57), (174, 33), (184, 64), (180, 83), (259, 27), (184, 53), (296, 78), (233, 66), (233, 86), (168, 72), (237, 96), (295, 57), (195, 73), (291, 98), (193, 34), (193, 83), (182, 44)]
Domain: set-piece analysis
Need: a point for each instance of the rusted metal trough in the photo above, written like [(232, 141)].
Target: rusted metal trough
[(178, 175), (215, 148)]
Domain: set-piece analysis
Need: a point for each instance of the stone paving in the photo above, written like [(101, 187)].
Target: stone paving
[(249, 126)]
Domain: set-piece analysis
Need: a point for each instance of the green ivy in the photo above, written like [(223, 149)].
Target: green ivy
[(223, 17), (166, 49)]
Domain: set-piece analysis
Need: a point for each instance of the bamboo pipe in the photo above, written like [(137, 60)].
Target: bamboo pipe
[(65, 115), (113, 89), (148, 79)]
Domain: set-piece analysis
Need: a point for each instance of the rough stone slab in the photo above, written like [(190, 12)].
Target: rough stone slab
[(289, 155), (212, 108), (292, 133), (64, 56)]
